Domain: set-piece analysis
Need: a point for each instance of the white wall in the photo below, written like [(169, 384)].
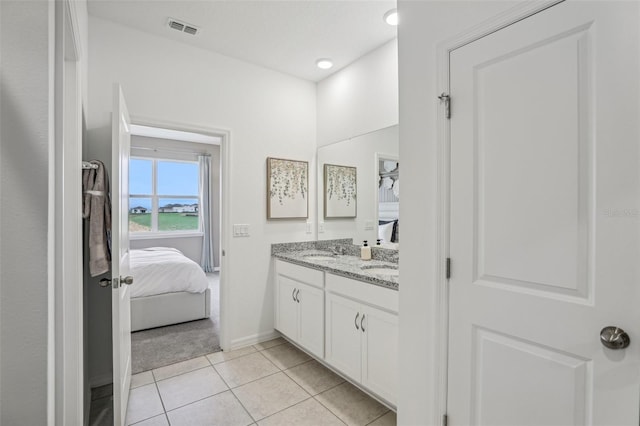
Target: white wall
[(424, 25), (359, 98), (26, 134), (267, 113)]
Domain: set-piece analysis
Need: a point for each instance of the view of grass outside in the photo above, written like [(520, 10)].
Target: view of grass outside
[(141, 222)]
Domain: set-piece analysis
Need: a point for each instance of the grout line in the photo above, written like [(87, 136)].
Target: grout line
[(232, 359), (242, 405), (286, 408), (182, 374), (148, 418), (197, 400), (161, 400), (380, 416)]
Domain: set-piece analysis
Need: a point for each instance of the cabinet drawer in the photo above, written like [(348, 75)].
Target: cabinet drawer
[(303, 274), (363, 292)]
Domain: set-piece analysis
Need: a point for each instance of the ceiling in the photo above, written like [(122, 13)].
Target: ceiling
[(287, 36)]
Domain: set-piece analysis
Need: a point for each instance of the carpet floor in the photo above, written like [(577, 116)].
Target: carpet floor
[(162, 346), (167, 345)]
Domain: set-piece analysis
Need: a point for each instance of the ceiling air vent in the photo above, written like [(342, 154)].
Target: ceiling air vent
[(182, 26)]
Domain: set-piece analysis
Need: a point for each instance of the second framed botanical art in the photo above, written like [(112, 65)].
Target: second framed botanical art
[(340, 190), (287, 189)]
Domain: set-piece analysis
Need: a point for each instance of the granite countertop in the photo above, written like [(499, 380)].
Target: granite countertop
[(370, 271)]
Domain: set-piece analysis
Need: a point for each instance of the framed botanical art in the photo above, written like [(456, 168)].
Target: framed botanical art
[(340, 188), (287, 189)]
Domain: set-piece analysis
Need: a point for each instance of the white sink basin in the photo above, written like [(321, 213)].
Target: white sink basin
[(319, 257)]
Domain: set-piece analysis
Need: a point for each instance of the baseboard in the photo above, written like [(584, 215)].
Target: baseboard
[(254, 339), (101, 380)]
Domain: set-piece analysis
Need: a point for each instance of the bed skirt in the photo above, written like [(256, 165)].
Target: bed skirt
[(169, 308)]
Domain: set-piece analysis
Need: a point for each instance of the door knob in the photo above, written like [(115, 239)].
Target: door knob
[(105, 282), (126, 280), (614, 338)]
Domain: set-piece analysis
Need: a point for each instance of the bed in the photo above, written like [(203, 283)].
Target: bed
[(169, 288), (389, 224)]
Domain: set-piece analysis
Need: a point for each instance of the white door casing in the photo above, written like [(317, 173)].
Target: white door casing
[(544, 219), (121, 297)]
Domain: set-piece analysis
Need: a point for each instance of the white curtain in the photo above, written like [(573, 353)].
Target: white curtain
[(207, 261)]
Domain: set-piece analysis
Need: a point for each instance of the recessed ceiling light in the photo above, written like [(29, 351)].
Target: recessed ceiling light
[(391, 17), (324, 63)]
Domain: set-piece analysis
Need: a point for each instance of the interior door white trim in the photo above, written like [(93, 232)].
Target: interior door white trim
[(66, 353), (444, 48), (225, 210)]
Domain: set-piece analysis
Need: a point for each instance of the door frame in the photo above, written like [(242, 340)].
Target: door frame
[(225, 208), (443, 173), (66, 333)]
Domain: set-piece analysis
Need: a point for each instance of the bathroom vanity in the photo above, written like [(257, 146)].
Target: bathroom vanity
[(341, 310)]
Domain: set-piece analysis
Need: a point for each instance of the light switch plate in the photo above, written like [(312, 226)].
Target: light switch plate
[(309, 227), (368, 225), (241, 230)]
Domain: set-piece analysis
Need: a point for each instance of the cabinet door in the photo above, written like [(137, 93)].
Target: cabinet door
[(380, 353), (343, 335), (311, 322), (287, 307)]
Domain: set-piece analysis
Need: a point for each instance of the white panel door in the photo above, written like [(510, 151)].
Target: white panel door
[(121, 297), (287, 309), (544, 220), (343, 335), (380, 352), (311, 319)]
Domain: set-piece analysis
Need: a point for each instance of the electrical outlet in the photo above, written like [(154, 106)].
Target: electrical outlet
[(320, 227), (309, 227)]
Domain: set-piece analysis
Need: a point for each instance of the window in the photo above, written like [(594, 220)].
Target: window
[(163, 195)]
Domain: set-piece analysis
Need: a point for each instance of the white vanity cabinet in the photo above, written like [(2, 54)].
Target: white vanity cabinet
[(362, 333), (300, 305)]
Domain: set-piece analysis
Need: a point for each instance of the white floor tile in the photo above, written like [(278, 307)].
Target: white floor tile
[(190, 387), (269, 395), (285, 356), (155, 421), (351, 405), (388, 419), (141, 379), (314, 377), (144, 403), (270, 343), (180, 368), (245, 369), (306, 413), (218, 357), (222, 409)]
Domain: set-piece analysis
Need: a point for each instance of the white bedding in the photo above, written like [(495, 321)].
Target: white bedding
[(159, 270)]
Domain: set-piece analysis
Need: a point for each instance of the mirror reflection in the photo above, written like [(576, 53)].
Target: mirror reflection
[(375, 158)]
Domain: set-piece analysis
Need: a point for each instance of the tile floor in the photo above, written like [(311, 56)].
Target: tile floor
[(269, 384)]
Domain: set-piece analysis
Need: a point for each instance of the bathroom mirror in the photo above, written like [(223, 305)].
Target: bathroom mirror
[(375, 200)]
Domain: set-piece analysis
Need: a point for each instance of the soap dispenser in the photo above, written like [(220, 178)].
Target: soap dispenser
[(365, 251)]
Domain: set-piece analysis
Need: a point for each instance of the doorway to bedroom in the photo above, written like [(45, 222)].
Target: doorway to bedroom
[(175, 242)]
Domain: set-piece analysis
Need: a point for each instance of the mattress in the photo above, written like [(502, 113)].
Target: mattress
[(160, 270)]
